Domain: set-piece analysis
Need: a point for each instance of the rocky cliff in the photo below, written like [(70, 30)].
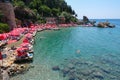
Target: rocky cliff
[(8, 11)]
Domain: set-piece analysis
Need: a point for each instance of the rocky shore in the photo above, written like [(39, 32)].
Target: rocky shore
[(105, 25), (23, 44), (10, 66), (86, 22)]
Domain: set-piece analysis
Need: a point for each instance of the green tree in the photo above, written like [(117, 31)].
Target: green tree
[(42, 8), (55, 12), (45, 10)]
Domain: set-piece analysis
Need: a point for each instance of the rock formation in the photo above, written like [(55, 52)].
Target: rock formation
[(85, 20), (105, 25), (8, 11)]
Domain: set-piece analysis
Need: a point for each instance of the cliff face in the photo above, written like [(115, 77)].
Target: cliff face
[(8, 11)]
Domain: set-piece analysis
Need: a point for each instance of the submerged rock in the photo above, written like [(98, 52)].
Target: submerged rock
[(98, 75), (105, 70), (71, 66), (56, 68), (32, 66), (71, 78), (86, 72), (65, 71), (102, 25)]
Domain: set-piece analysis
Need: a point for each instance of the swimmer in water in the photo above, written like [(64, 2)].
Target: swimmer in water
[(78, 51)]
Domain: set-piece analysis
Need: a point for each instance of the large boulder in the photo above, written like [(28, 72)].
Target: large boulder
[(85, 20), (105, 25), (56, 68), (102, 25)]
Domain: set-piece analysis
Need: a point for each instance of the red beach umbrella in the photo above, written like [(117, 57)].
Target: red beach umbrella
[(1, 37), (15, 33), (21, 51), (25, 41)]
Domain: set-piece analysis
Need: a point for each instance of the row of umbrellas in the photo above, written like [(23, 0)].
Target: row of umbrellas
[(15, 32), (24, 47)]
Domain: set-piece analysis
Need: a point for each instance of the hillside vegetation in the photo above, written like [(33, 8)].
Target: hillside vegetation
[(37, 10), (27, 11)]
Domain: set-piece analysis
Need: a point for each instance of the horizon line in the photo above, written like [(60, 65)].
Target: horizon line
[(100, 18)]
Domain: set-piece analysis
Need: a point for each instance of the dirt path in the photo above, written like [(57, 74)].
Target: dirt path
[(16, 44)]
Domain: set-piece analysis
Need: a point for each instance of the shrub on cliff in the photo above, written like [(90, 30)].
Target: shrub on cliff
[(4, 28)]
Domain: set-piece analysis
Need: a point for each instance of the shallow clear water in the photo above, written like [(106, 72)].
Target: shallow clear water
[(86, 53)]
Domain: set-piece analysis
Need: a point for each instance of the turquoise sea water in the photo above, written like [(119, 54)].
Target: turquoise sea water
[(81, 53)]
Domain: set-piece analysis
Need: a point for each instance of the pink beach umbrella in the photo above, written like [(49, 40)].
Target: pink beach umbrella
[(11, 41), (24, 44), (21, 30), (28, 35), (14, 33), (32, 26), (33, 29)]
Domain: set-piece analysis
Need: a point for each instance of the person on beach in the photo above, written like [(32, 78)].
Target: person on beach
[(0, 59)]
